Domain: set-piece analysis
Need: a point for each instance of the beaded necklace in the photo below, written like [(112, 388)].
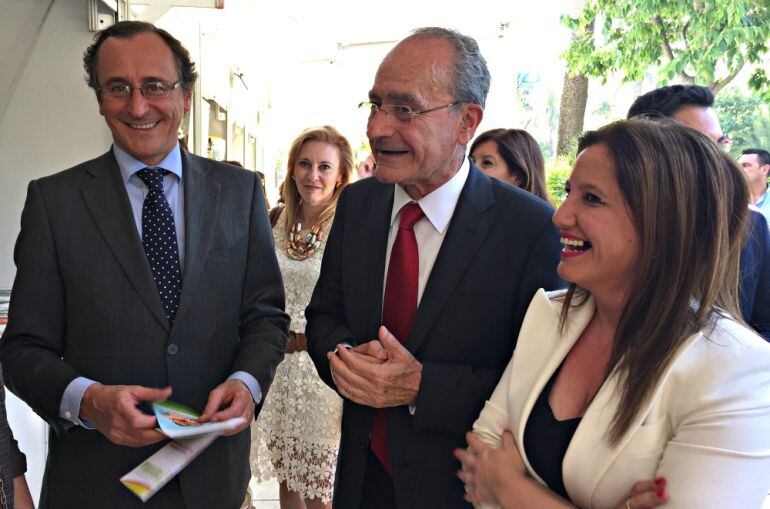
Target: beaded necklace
[(301, 248)]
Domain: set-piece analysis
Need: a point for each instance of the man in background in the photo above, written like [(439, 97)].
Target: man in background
[(144, 274), (693, 106), (756, 165)]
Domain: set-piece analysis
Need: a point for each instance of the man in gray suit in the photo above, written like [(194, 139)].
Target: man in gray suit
[(144, 274)]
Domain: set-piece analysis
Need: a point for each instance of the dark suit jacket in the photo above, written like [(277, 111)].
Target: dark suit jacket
[(500, 247), (84, 303), (755, 275)]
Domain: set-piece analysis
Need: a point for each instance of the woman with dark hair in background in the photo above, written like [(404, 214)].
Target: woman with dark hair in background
[(639, 385), (296, 436), (513, 156)]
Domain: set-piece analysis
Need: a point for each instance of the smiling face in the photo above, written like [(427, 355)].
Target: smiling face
[(423, 155), (487, 157), (317, 172), (601, 242), (145, 128)]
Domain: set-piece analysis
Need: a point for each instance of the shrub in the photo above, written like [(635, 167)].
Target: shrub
[(557, 171)]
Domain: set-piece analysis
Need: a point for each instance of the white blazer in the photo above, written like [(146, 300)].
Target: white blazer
[(706, 427)]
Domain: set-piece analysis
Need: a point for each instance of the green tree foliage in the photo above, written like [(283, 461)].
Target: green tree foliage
[(745, 118), (690, 41), (557, 170)]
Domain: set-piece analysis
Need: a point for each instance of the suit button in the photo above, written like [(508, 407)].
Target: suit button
[(172, 349)]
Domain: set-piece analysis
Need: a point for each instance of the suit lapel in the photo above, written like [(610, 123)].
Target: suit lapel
[(201, 203), (374, 239), (589, 441), (107, 201), (470, 223), (537, 361)]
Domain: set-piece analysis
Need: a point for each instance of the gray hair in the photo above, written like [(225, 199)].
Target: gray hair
[(469, 69)]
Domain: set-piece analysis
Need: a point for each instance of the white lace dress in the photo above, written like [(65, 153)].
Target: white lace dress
[(297, 434)]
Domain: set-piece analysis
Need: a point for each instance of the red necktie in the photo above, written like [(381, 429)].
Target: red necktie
[(399, 307)]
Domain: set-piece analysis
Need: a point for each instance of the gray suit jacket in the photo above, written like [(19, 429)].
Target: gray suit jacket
[(84, 303)]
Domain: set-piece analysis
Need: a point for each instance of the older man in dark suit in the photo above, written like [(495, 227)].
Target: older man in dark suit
[(428, 271), (143, 274)]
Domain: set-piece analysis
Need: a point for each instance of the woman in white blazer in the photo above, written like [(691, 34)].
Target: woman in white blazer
[(638, 386)]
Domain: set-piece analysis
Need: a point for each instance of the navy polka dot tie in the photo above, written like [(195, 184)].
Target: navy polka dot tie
[(159, 240)]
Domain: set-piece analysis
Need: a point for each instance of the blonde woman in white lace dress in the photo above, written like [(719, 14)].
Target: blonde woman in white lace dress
[(296, 436)]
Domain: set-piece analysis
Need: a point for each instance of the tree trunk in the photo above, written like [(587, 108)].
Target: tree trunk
[(572, 109), (720, 84)]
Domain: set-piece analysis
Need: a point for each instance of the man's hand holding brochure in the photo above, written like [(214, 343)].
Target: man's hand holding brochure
[(189, 438)]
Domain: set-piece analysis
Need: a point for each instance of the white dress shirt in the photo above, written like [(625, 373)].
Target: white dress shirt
[(438, 206), (173, 188)]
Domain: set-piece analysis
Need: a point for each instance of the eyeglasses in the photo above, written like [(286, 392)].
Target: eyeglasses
[(403, 114), (150, 90), (725, 143)]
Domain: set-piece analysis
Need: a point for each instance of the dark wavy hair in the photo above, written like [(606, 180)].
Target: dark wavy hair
[(128, 29), (688, 202), (522, 155)]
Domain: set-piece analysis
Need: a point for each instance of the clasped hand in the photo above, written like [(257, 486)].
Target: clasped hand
[(380, 373), (487, 470), (498, 477), (112, 409)]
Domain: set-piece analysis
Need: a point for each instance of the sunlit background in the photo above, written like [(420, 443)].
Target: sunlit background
[(268, 69)]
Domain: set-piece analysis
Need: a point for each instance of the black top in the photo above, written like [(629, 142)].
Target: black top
[(546, 440)]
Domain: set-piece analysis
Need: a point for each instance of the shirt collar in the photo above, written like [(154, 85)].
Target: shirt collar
[(439, 204), (761, 201), (128, 165)]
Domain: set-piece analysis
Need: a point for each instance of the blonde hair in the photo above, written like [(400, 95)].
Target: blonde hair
[(290, 193)]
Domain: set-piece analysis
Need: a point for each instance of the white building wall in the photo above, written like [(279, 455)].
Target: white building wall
[(49, 121)]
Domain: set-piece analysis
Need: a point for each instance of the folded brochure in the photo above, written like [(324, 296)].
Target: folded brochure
[(154, 472), (190, 439), (177, 421)]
